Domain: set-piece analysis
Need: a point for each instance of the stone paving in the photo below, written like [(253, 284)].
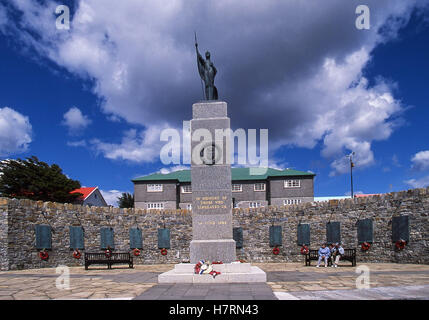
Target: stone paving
[(285, 281), (379, 293), (221, 291)]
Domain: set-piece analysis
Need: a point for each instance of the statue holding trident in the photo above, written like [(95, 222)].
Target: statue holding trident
[(207, 72)]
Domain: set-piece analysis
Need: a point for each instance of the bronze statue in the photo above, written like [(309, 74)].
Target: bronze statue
[(207, 72)]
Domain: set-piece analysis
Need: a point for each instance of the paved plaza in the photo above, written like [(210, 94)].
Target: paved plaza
[(285, 281)]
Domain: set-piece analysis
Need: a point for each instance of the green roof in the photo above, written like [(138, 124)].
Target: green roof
[(238, 174)]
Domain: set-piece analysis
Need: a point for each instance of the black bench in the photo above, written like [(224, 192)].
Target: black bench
[(114, 258), (349, 255)]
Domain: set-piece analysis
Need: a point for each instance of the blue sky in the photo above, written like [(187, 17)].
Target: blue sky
[(58, 100)]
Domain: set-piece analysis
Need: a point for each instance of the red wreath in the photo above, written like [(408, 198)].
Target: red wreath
[(197, 267), (214, 273), (304, 249), (276, 251), (108, 253), (400, 244), (164, 252), (365, 246), (217, 262), (76, 254), (44, 255), (136, 252)]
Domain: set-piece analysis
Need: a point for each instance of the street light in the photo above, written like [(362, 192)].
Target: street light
[(350, 156)]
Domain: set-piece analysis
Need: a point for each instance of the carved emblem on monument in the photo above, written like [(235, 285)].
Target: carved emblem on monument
[(210, 154)]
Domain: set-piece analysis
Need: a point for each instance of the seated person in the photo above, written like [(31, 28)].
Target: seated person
[(333, 251), (324, 253), (339, 252)]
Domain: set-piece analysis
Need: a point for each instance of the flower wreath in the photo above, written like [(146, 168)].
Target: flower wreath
[(205, 267), (76, 254), (108, 252), (365, 246), (44, 255), (304, 249), (400, 244)]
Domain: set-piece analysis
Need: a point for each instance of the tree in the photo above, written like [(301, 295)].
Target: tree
[(36, 180), (126, 200)]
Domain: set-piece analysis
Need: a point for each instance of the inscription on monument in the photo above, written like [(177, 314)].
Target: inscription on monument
[(211, 203)]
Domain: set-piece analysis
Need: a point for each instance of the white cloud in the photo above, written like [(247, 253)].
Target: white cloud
[(173, 169), (294, 69), (75, 120), (354, 114), (135, 146), (3, 17), (15, 132), (349, 193), (418, 183), (80, 143), (421, 161), (111, 196)]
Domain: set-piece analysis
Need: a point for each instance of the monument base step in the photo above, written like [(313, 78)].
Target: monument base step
[(230, 273)]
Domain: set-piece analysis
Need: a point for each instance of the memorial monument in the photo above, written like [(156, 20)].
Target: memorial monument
[(212, 238)]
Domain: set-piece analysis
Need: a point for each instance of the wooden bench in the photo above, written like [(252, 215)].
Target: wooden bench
[(349, 255), (102, 258)]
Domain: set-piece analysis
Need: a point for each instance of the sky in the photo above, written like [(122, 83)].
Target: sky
[(95, 98)]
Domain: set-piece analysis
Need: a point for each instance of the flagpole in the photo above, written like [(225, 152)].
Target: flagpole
[(351, 173)]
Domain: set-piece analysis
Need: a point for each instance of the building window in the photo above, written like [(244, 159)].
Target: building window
[(292, 183), (187, 189), (254, 204), (237, 188), (189, 206), (154, 188), (291, 201), (155, 205), (259, 187)]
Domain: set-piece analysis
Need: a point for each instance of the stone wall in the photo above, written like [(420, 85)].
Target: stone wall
[(4, 258), (19, 217)]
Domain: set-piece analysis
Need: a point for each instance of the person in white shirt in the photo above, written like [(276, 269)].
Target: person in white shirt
[(339, 251)]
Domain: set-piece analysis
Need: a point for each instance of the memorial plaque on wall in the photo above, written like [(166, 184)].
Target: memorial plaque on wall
[(400, 229), (275, 236), (107, 238), (136, 239), (303, 234), (164, 238), (76, 237), (333, 232), (238, 237), (43, 236), (365, 231)]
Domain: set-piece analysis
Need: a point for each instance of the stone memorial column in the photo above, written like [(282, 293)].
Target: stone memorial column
[(211, 184)]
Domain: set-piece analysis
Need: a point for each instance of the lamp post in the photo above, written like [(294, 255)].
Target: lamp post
[(350, 156)]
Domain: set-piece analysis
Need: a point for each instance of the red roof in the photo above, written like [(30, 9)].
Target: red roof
[(366, 195), (85, 191)]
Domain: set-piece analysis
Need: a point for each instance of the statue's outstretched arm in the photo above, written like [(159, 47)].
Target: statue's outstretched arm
[(200, 58)]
